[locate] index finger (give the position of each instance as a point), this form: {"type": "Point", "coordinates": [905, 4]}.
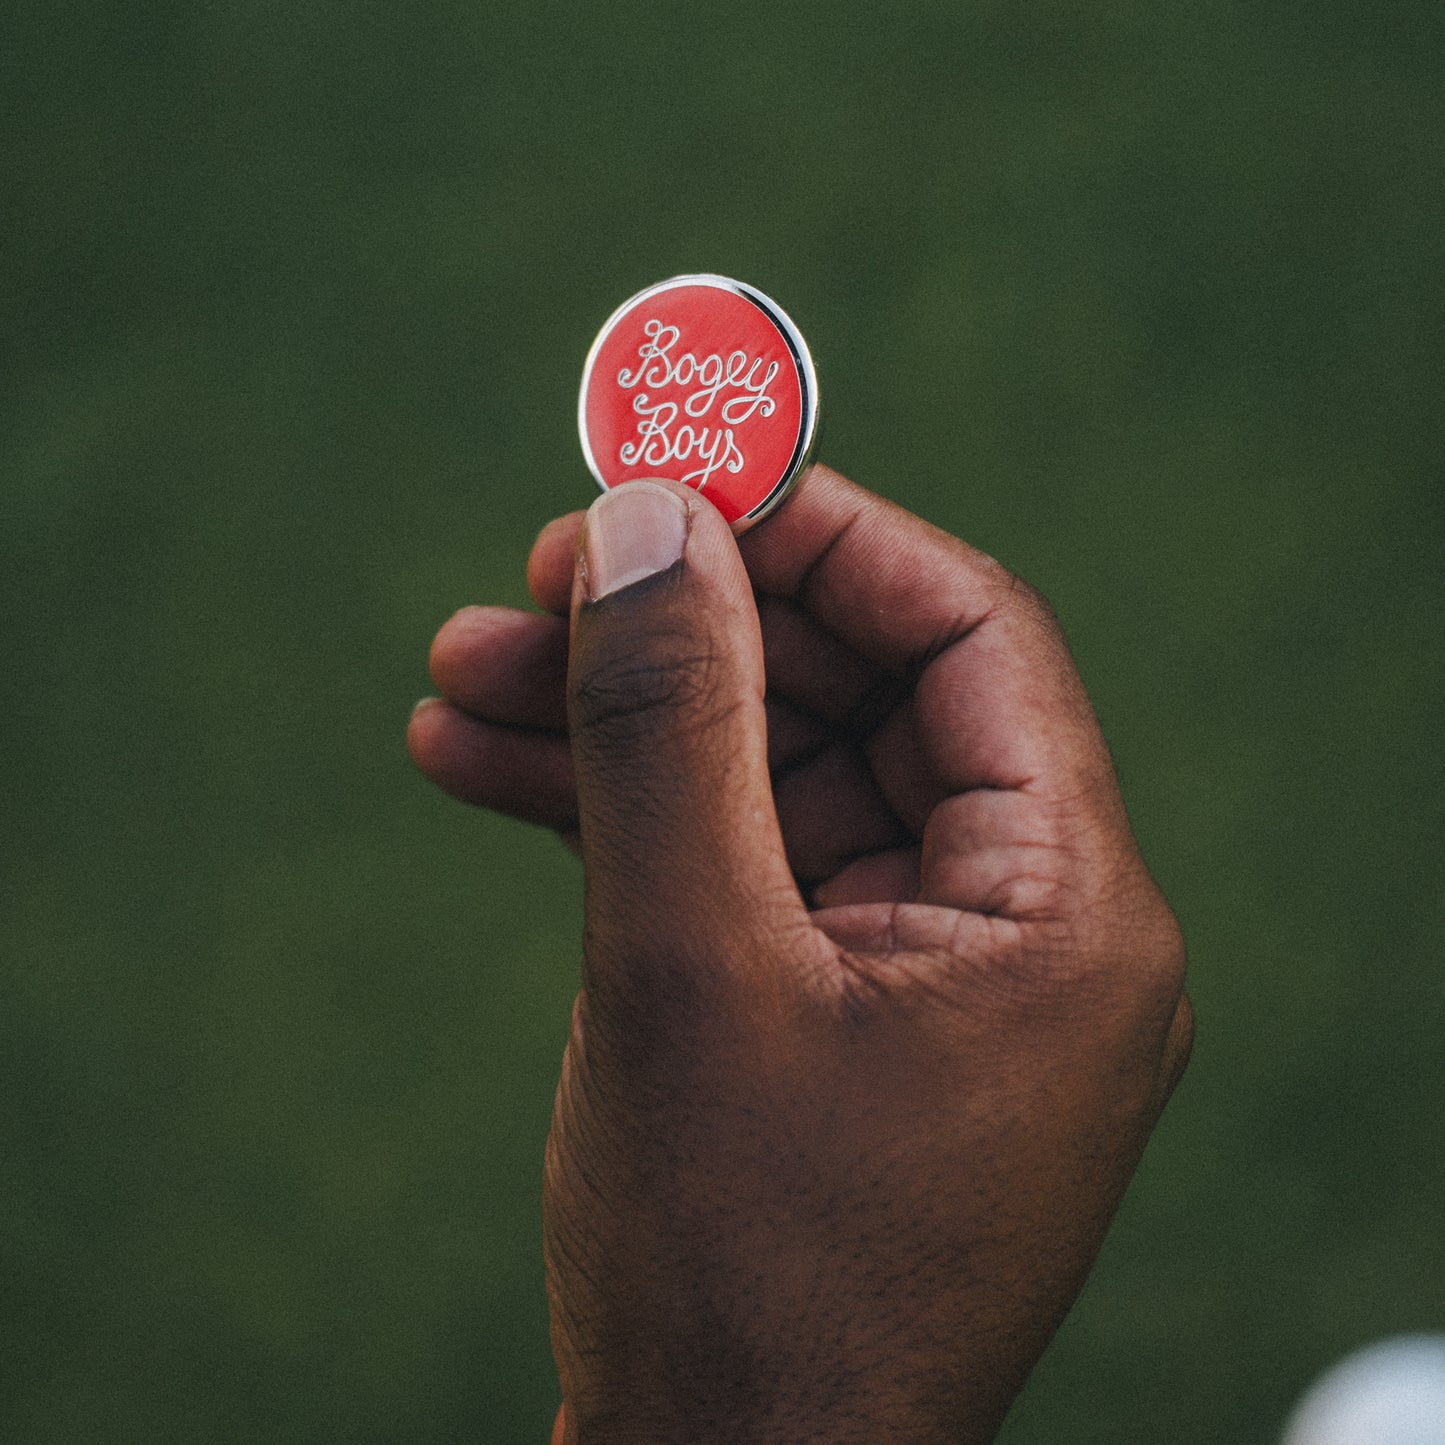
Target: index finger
{"type": "Point", "coordinates": [998, 698]}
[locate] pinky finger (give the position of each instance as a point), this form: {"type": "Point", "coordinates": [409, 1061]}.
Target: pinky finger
{"type": "Point", "coordinates": [526, 775]}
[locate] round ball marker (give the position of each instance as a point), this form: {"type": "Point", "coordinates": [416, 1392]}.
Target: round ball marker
{"type": "Point", "coordinates": [706, 381]}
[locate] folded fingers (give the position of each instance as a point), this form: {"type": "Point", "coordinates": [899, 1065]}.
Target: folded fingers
{"type": "Point", "coordinates": [832, 813]}
{"type": "Point", "coordinates": [524, 774]}
{"type": "Point", "coordinates": [504, 665]}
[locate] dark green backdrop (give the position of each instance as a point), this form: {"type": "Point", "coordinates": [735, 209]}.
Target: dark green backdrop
{"type": "Point", "coordinates": [293, 302]}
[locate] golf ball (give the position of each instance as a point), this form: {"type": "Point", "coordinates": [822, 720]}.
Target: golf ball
{"type": "Point", "coordinates": [1391, 1393]}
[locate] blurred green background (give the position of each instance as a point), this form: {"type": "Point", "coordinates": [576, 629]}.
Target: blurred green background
{"type": "Point", "coordinates": [1143, 298]}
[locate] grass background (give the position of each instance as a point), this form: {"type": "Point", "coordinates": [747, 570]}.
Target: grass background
{"type": "Point", "coordinates": [1142, 297]}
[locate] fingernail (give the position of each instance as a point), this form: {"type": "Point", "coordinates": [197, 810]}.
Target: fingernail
{"type": "Point", "coordinates": [633, 531]}
{"type": "Point", "coordinates": [425, 703]}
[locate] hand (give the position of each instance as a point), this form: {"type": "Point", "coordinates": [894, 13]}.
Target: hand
{"type": "Point", "coordinates": [879, 1002]}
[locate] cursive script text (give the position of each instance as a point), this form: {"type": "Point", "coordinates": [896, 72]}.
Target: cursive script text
{"type": "Point", "coordinates": [659, 440]}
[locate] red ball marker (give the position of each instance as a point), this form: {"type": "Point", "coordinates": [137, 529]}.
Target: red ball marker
{"type": "Point", "coordinates": [705, 381]}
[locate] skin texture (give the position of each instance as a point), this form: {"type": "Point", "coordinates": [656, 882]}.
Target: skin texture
{"type": "Point", "coordinates": [879, 1002]}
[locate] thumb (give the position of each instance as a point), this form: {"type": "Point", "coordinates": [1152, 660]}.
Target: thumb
{"type": "Point", "coordinates": [683, 858]}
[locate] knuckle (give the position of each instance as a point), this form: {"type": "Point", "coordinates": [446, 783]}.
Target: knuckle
{"type": "Point", "coordinates": [1030, 603]}
{"type": "Point", "coordinates": [619, 693]}
{"type": "Point", "coordinates": [1169, 951]}
{"type": "Point", "coordinates": [1178, 1045]}
{"type": "Point", "coordinates": [1017, 599]}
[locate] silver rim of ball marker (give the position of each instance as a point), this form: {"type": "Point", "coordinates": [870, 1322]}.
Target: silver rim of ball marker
{"type": "Point", "coordinates": [807, 440]}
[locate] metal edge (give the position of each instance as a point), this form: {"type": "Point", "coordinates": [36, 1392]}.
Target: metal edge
{"type": "Point", "coordinates": [808, 377]}
{"type": "Point", "coordinates": [802, 359]}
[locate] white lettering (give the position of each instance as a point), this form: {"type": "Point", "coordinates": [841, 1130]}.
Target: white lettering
{"type": "Point", "coordinates": [655, 444]}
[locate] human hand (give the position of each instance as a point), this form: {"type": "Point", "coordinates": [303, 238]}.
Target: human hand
{"type": "Point", "coordinates": [879, 1001]}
